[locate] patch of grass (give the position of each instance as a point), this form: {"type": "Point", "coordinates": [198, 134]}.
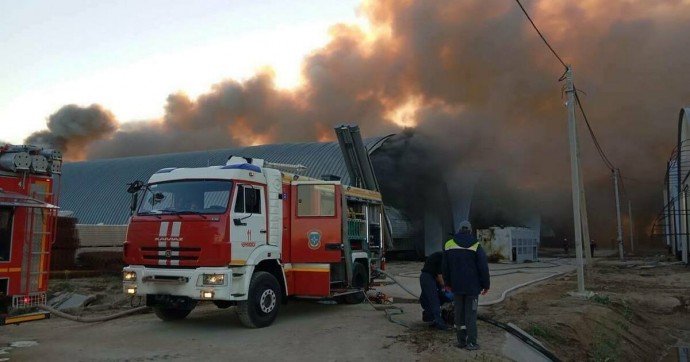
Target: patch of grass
{"type": "Point", "coordinates": [606, 347]}
{"type": "Point", "coordinates": [601, 299]}
{"type": "Point", "coordinates": [537, 330]}
{"type": "Point", "coordinates": [624, 326]}
{"type": "Point", "coordinates": [627, 311]}
{"type": "Point", "coordinates": [545, 333]}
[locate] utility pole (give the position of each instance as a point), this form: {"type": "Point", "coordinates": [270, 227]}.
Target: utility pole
{"type": "Point", "coordinates": [583, 207]}
{"type": "Point", "coordinates": [632, 235]}
{"type": "Point", "coordinates": [584, 220]}
{"type": "Point", "coordinates": [619, 237]}
{"type": "Point", "coordinates": [575, 177]}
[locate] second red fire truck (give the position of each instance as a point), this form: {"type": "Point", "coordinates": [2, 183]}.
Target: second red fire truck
{"type": "Point", "coordinates": [28, 217]}
{"type": "Point", "coordinates": [249, 234]}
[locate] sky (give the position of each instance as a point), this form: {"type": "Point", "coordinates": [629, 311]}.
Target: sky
{"type": "Point", "coordinates": [471, 80]}
{"type": "Point", "coordinates": [130, 55]}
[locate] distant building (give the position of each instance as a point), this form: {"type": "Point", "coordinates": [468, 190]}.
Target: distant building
{"type": "Point", "coordinates": [516, 244]}
{"type": "Point", "coordinates": [422, 207]}
{"type": "Point", "coordinates": [95, 191]}
{"type": "Point", "coordinates": [672, 226]}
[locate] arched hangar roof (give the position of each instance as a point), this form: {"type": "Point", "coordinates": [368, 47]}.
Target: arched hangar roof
{"type": "Point", "coordinates": [682, 165]}
{"type": "Point", "coordinates": [95, 191]}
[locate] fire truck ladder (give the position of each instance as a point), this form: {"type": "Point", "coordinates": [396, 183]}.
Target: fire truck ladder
{"type": "Point", "coordinates": [362, 175]}
{"type": "Point", "coordinates": [37, 232]}
{"type": "Point", "coordinates": [356, 158]}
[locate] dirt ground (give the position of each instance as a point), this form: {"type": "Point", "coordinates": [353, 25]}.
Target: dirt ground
{"type": "Point", "coordinates": [640, 311]}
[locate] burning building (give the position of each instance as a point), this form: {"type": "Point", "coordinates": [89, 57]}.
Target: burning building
{"type": "Point", "coordinates": [419, 208]}
{"type": "Point", "coordinates": [468, 89]}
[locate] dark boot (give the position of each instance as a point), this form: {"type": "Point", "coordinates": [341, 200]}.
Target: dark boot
{"type": "Point", "coordinates": [462, 337]}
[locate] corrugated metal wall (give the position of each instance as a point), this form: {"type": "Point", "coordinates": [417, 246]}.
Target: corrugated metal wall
{"type": "Point", "coordinates": [101, 235]}
{"type": "Point", "coordinates": [672, 224]}
{"type": "Point", "coordinates": [96, 190]}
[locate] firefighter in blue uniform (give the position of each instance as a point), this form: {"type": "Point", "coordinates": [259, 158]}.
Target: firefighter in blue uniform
{"type": "Point", "coordinates": [466, 273]}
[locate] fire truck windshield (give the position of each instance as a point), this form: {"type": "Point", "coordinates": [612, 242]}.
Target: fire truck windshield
{"type": "Point", "coordinates": [186, 197]}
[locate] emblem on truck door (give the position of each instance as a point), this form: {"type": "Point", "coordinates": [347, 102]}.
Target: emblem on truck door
{"type": "Point", "coordinates": [314, 239]}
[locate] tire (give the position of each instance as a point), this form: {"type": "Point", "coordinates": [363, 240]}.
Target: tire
{"type": "Point", "coordinates": [171, 314]}
{"type": "Point", "coordinates": [360, 280]}
{"type": "Point", "coordinates": [263, 301]}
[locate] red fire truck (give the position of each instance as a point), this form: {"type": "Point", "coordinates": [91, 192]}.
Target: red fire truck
{"type": "Point", "coordinates": [28, 218]}
{"type": "Point", "coordinates": [249, 234]}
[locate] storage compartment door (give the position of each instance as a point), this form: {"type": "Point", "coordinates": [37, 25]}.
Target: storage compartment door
{"type": "Point", "coordinates": [316, 226]}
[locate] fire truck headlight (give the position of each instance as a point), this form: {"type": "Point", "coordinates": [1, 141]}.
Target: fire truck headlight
{"type": "Point", "coordinates": [131, 290]}
{"type": "Point", "coordinates": [129, 276]}
{"type": "Point", "coordinates": [214, 279]}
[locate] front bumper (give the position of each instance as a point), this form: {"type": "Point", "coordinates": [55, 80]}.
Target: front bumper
{"type": "Point", "coordinates": [186, 283]}
{"type": "Point", "coordinates": [23, 318]}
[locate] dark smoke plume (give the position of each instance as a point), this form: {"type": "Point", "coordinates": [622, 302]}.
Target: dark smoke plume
{"type": "Point", "coordinates": [72, 128]}
{"type": "Point", "coordinates": [481, 90]}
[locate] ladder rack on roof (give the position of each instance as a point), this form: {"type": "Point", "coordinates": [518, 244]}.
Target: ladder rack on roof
{"type": "Point", "coordinates": [286, 167]}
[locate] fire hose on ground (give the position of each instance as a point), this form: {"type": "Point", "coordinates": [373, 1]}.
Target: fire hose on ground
{"type": "Point", "coordinates": [389, 310]}
{"type": "Point", "coordinates": [526, 339]}
{"type": "Point", "coordinates": [93, 319]}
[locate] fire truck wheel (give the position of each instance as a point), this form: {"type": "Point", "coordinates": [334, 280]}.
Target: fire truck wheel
{"type": "Point", "coordinates": [359, 280]}
{"type": "Point", "coordinates": [171, 314]}
{"type": "Point", "coordinates": [261, 307]}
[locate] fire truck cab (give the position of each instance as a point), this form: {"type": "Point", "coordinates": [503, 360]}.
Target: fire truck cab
{"type": "Point", "coordinates": [249, 234]}
{"type": "Point", "coordinates": [28, 217]}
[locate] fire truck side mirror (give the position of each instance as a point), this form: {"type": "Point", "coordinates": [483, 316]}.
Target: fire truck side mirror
{"type": "Point", "coordinates": [238, 222]}
{"type": "Point", "coordinates": [135, 186]}
{"type": "Point", "coordinates": [133, 189]}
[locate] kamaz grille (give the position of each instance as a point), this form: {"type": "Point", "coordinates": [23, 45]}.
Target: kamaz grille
{"type": "Point", "coordinates": [171, 257]}
{"type": "Point", "coordinates": [28, 301]}
{"type": "Point", "coordinates": [172, 253]}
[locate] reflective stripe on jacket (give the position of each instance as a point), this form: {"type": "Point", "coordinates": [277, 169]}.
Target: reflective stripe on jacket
{"type": "Point", "coordinates": [451, 244]}
{"type": "Point", "coordinates": [465, 265]}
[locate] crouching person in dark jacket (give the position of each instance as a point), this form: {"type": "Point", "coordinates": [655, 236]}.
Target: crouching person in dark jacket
{"type": "Point", "coordinates": [431, 282]}
{"type": "Point", "coordinates": [466, 272]}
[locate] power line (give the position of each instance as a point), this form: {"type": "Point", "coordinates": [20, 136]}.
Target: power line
{"type": "Point", "coordinates": [598, 147]}
{"type": "Point", "coordinates": [539, 32]}
{"type": "Point", "coordinates": [600, 150]}
{"type": "Point", "coordinates": [605, 159]}
{"type": "Point", "coordinates": [625, 193]}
